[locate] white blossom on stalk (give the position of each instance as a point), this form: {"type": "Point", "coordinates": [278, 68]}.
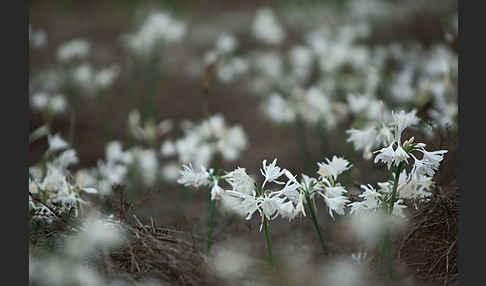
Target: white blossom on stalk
{"type": "Point", "coordinates": [56, 143]}
{"type": "Point", "coordinates": [216, 191]}
{"type": "Point", "coordinates": [333, 168]}
{"type": "Point", "coordinates": [429, 163]}
{"type": "Point", "coordinates": [157, 27]}
{"type": "Point", "coordinates": [390, 156]}
{"type": "Point", "coordinates": [266, 27]}
{"type": "Point", "coordinates": [239, 180]}
{"type": "Point", "coordinates": [271, 172]}
{"type": "Point", "coordinates": [74, 49]}
{"type": "Point", "coordinates": [363, 139]}
{"type": "Point", "coordinates": [402, 120]}
{"type": "Point", "coordinates": [190, 177]}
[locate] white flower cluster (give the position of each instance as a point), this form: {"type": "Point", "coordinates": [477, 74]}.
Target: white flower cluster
{"type": "Point", "coordinates": [201, 142]}
{"type": "Point", "coordinates": [51, 192]}
{"type": "Point", "coordinates": [266, 27]}
{"type": "Point", "coordinates": [245, 197]}
{"type": "Point", "coordinates": [47, 102]}
{"type": "Point", "coordinates": [332, 64]}
{"type": "Point", "coordinates": [74, 49]}
{"type": "Point", "coordinates": [415, 185]}
{"type": "Point", "coordinates": [157, 27]}
{"type": "Point", "coordinates": [90, 80]}
{"type": "Point", "coordinates": [312, 105]}
{"type": "Point", "coordinates": [67, 264]}
{"type": "Point", "coordinates": [228, 66]}
{"type": "Point", "coordinates": [118, 163]}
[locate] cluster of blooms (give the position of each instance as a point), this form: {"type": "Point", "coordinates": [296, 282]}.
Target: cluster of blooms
{"type": "Point", "coordinates": [414, 185]}
{"type": "Point", "coordinates": [90, 80]}
{"type": "Point", "coordinates": [67, 264]}
{"type": "Point", "coordinates": [48, 103]}
{"type": "Point", "coordinates": [266, 27]}
{"type": "Point", "coordinates": [52, 192]}
{"type": "Point", "coordinates": [245, 197]}
{"type": "Point", "coordinates": [73, 55]}
{"type": "Point", "coordinates": [158, 27]}
{"type": "Point", "coordinates": [73, 70]}
{"type": "Point", "coordinates": [332, 64]}
{"type": "Point", "coordinates": [119, 163]}
{"type": "Point", "coordinates": [202, 142]}
{"type": "Point", "coordinates": [75, 49]}
{"type": "Point", "coordinates": [228, 66]}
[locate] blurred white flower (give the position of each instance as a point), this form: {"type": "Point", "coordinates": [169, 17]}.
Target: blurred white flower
{"type": "Point", "coordinates": [158, 27]}
{"type": "Point", "coordinates": [333, 167]}
{"type": "Point", "coordinates": [190, 177]}
{"type": "Point", "coordinates": [74, 49]}
{"type": "Point", "coordinates": [266, 27]}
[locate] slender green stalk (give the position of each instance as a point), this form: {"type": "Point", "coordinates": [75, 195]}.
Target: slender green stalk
{"type": "Point", "coordinates": [269, 243]}
{"type": "Point", "coordinates": [386, 248]}
{"type": "Point", "coordinates": [395, 187]}
{"type": "Point", "coordinates": [210, 222]}
{"type": "Point", "coordinates": [316, 225]}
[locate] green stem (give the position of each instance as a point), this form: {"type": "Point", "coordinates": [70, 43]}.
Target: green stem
{"type": "Point", "coordinates": [269, 244]}
{"type": "Point", "coordinates": [395, 187]}
{"type": "Point", "coordinates": [210, 221]}
{"type": "Point", "coordinates": [386, 248]}
{"type": "Point", "coordinates": [316, 225]}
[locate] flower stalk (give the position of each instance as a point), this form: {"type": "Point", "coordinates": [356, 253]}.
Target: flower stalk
{"type": "Point", "coordinates": [269, 243]}
{"type": "Point", "coordinates": [210, 222]}
{"type": "Point", "coordinates": [316, 224]}
{"type": "Point", "coordinates": [386, 250]}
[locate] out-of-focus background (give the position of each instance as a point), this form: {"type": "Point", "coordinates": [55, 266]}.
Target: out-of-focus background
{"type": "Point", "coordinates": [293, 76]}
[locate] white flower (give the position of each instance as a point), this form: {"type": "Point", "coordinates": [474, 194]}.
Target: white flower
{"type": "Point", "coordinates": [360, 257]}
{"type": "Point", "coordinates": [216, 191]}
{"type": "Point", "coordinates": [299, 209]}
{"type": "Point", "coordinates": [114, 153]}
{"type": "Point", "coordinates": [66, 159]}
{"type": "Point", "coordinates": [334, 167]}
{"type": "Point", "coordinates": [77, 48]}
{"type": "Point", "coordinates": [190, 177]}
{"type": "Point", "coordinates": [270, 205]}
{"type": "Point", "coordinates": [398, 208]}
{"type": "Point", "coordinates": [106, 76]}
{"type": "Point", "coordinates": [226, 43]}
{"type": "Point", "coordinates": [402, 120]}
{"type": "Point", "coordinates": [336, 204]}
{"type": "Point", "coordinates": [56, 143]}
{"type": "Point", "coordinates": [266, 27]}
{"type": "Point", "coordinates": [170, 172]}
{"type": "Point", "coordinates": [429, 163]}
{"type": "Point", "coordinates": [240, 181]}
{"type": "Point", "coordinates": [148, 164]}
{"type": "Point", "coordinates": [248, 204]}
{"type": "Point", "coordinates": [287, 210]}
{"type": "Point", "coordinates": [39, 100]}
{"type": "Point", "coordinates": [271, 172]}
{"type": "Point", "coordinates": [159, 26]}
{"type": "Point", "coordinates": [168, 148]}
{"type": "Point", "coordinates": [39, 38]}
{"type": "Point", "coordinates": [390, 156]}
{"type": "Point", "coordinates": [363, 139]}
{"type": "Point", "coordinates": [57, 103]}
